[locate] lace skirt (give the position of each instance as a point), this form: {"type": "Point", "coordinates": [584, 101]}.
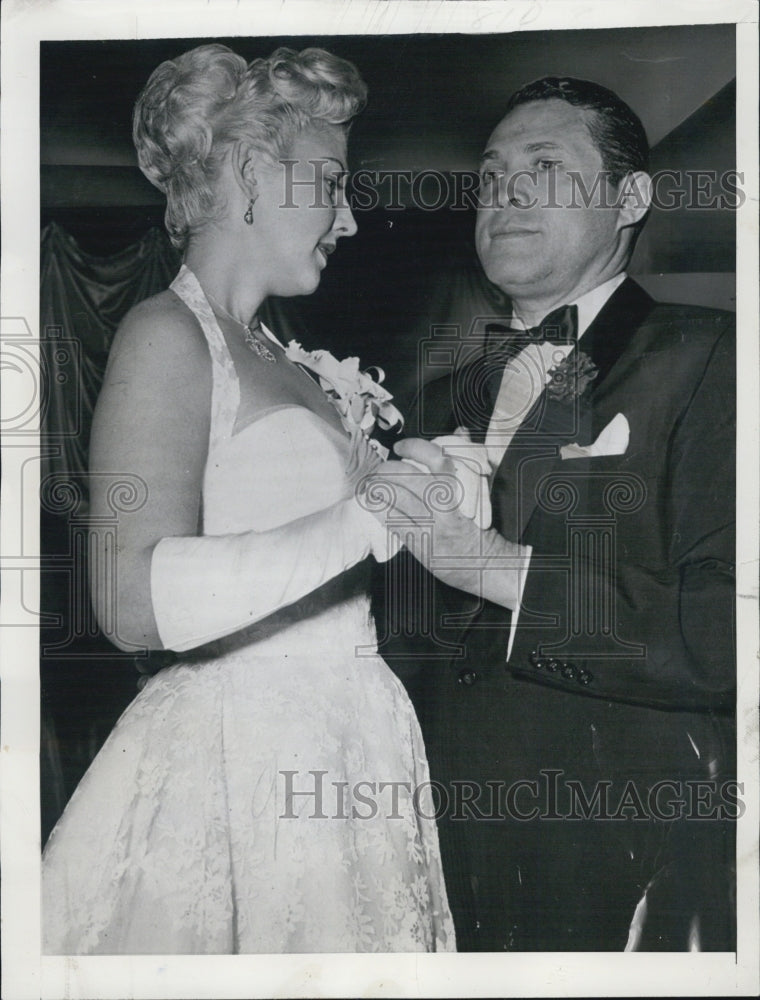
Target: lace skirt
{"type": "Point", "coordinates": [273, 797]}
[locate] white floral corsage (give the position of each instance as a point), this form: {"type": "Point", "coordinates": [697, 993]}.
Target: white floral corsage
{"type": "Point", "coordinates": [359, 398]}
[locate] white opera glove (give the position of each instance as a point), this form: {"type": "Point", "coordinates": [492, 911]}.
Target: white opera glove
{"type": "Point", "coordinates": [207, 587]}
{"type": "Point", "coordinates": [473, 470]}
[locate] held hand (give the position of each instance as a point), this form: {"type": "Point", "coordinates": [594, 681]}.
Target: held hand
{"type": "Point", "coordinates": [426, 453]}
{"type": "Point", "coordinates": [424, 510]}
{"type": "Point", "coordinates": [433, 453]}
{"type": "Point", "coordinates": [456, 453]}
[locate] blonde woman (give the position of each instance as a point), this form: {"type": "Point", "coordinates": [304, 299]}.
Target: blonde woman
{"type": "Point", "coordinates": [262, 794]}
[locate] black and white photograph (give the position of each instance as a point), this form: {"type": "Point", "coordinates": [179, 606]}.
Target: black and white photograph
{"type": "Point", "coordinates": [380, 499]}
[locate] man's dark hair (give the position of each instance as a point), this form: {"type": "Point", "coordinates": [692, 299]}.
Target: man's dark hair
{"type": "Point", "coordinates": [616, 130]}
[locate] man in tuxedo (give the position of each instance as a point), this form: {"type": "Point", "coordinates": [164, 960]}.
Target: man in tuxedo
{"type": "Point", "coordinates": [576, 683]}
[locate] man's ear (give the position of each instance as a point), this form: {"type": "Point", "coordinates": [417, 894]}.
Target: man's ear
{"type": "Point", "coordinates": [634, 198]}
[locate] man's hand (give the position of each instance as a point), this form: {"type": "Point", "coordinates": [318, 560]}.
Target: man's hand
{"type": "Point", "coordinates": [424, 510]}
{"type": "Point", "coordinates": [459, 454]}
{"type": "Point", "coordinates": [426, 453]}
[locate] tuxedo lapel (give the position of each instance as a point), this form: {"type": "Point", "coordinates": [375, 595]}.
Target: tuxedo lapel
{"type": "Point", "coordinates": [535, 448]}
{"type": "Point", "coordinates": [611, 332]}
{"type": "Point", "coordinates": [532, 454]}
{"type": "Point", "coordinates": [476, 386]}
{"type": "Point", "coordinates": [478, 383]}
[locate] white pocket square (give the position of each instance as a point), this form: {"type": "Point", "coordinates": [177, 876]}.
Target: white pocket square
{"type": "Point", "coordinates": [613, 440]}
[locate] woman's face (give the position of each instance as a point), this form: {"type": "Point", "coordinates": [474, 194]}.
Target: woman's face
{"type": "Point", "coordinates": [301, 211]}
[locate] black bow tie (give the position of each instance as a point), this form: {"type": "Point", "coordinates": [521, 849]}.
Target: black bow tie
{"type": "Point", "coordinates": [559, 327]}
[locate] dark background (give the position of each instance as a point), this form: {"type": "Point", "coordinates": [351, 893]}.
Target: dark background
{"type": "Point", "coordinates": [433, 101]}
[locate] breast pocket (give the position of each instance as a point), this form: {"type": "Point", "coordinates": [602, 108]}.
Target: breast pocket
{"type": "Point", "coordinates": [583, 487]}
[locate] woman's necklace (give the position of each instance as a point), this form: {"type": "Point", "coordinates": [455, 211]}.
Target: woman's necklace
{"type": "Point", "coordinates": [256, 345]}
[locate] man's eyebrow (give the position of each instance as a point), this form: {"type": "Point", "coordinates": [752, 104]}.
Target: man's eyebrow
{"type": "Point", "coordinates": [534, 147]}
{"type": "Point", "coordinates": [531, 147]}
{"type": "Point", "coordinates": [490, 154]}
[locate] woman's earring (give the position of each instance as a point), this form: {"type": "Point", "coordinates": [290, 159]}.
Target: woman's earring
{"type": "Point", "coordinates": [249, 214]}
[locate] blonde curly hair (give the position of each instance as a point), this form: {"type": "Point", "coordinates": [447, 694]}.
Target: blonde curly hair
{"type": "Point", "coordinates": [195, 107]}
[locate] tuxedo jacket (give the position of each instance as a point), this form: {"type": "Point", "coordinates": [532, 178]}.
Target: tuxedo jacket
{"type": "Point", "coordinates": [623, 663]}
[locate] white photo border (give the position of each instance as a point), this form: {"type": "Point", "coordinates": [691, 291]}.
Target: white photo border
{"type": "Point", "coordinates": [26, 973]}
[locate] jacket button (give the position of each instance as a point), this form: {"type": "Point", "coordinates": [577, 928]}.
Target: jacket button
{"type": "Point", "coordinates": [568, 671]}
{"type": "Point", "coordinates": [585, 677]}
{"type": "Point", "coordinates": [467, 677]}
{"type": "Point", "coordinates": [552, 666]}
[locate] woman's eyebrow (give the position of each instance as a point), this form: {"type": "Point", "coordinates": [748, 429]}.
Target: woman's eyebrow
{"type": "Point", "coordinates": [334, 159]}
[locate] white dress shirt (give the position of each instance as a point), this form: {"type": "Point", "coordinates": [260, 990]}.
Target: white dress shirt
{"type": "Point", "coordinates": [524, 380]}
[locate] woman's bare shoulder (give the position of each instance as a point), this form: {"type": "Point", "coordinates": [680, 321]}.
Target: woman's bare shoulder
{"type": "Point", "coordinates": [158, 383]}
{"type": "Point", "coordinates": [160, 330]}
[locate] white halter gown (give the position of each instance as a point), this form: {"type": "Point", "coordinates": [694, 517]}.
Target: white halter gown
{"type": "Point", "coordinates": [268, 793]}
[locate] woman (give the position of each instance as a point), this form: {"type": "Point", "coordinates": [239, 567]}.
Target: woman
{"type": "Point", "coordinates": [260, 795]}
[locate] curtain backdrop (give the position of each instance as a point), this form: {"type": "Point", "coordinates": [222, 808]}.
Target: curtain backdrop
{"type": "Point", "coordinates": [82, 301]}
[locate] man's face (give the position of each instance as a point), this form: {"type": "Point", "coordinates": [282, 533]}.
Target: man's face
{"type": "Point", "coordinates": [530, 247]}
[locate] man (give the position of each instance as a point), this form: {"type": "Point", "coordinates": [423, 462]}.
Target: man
{"type": "Point", "coordinates": [578, 710]}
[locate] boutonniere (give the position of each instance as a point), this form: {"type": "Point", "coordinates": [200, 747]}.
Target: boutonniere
{"type": "Point", "coordinates": [359, 398]}
{"type": "Point", "coordinates": [570, 378]}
